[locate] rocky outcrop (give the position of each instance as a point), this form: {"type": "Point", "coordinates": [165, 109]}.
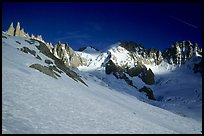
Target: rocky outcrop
{"type": "Point", "coordinates": [159, 57]}
{"type": "Point", "coordinates": [17, 31]}
{"type": "Point", "coordinates": [50, 46]}
{"type": "Point", "coordinates": [27, 50]}
{"type": "Point", "coordinates": [67, 55]}
{"type": "Point", "coordinates": [38, 37]}
{"type": "Point", "coordinates": [58, 62]}
{"type": "Point", "coordinates": [148, 91]}
{"type": "Point", "coordinates": [11, 30]}
{"type": "Point", "coordinates": [135, 71]}
{"type": "Point", "coordinates": [118, 72]}
{"type": "Point", "coordinates": [21, 33]}
{"type": "Point", "coordinates": [139, 54]}
{"type": "Point", "coordinates": [147, 76]}
{"type": "Point", "coordinates": [111, 67]}
{"type": "Point", "coordinates": [141, 71]}
{"type": "Point", "coordinates": [180, 52]}
{"type": "Point", "coordinates": [27, 35]}
{"type": "Point", "coordinates": [46, 70]}
{"type": "Point", "coordinates": [32, 36]}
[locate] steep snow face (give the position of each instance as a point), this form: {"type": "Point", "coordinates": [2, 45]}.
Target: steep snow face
{"type": "Point", "coordinates": [88, 55]}
{"type": "Point", "coordinates": [33, 102]}
{"type": "Point", "coordinates": [121, 57]}
{"type": "Point", "coordinates": [89, 61]}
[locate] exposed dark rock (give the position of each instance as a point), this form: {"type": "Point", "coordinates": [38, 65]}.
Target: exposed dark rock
{"type": "Point", "coordinates": [30, 42]}
{"type": "Point", "coordinates": [147, 76]}
{"type": "Point", "coordinates": [111, 67]}
{"type": "Point", "coordinates": [44, 69]}
{"type": "Point", "coordinates": [27, 50]}
{"type": "Point", "coordinates": [18, 42]}
{"type": "Point", "coordinates": [4, 37]}
{"type": "Point", "coordinates": [55, 69]}
{"type": "Point", "coordinates": [38, 57]}
{"type": "Point", "coordinates": [58, 62]}
{"type": "Point", "coordinates": [130, 46]}
{"type": "Point", "coordinates": [159, 57]}
{"type": "Point", "coordinates": [148, 91]}
{"type": "Point", "coordinates": [118, 72]}
{"type": "Point", "coordinates": [135, 71]}
{"type": "Point", "coordinates": [48, 61]}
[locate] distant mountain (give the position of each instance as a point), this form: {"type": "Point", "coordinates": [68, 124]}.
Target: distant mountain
{"type": "Point", "coordinates": [88, 49]}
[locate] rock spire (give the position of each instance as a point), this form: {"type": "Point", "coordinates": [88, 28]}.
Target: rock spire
{"type": "Point", "coordinates": [11, 30]}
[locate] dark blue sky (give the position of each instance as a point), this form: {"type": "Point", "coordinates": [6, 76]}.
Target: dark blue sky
{"type": "Point", "coordinates": [156, 25]}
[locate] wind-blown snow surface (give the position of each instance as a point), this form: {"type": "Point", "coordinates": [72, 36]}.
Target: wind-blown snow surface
{"type": "Point", "coordinates": [36, 103]}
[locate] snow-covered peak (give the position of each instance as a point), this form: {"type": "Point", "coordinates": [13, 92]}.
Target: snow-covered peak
{"type": "Point", "coordinates": [89, 49]}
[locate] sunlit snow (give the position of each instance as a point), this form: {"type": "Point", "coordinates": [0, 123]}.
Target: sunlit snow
{"type": "Point", "coordinates": [33, 102]}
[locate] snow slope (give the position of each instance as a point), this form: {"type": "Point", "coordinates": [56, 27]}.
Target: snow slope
{"type": "Point", "coordinates": [33, 102]}
{"type": "Point", "coordinates": [177, 89]}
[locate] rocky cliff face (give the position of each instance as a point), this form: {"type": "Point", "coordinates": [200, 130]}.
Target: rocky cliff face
{"type": "Point", "coordinates": [142, 55]}
{"type": "Point", "coordinates": [67, 54]}
{"type": "Point", "coordinates": [180, 52]}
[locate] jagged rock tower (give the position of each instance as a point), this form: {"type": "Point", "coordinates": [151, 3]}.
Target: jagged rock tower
{"type": "Point", "coordinates": [17, 32]}
{"type": "Point", "coordinates": [11, 30]}
{"type": "Point", "coordinates": [22, 33]}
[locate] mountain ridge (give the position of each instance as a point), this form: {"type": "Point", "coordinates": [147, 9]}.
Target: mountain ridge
{"type": "Point", "coordinates": [116, 85]}
{"type": "Point", "coordinates": [122, 58]}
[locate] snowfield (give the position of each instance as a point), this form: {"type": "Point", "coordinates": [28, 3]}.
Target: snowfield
{"type": "Point", "coordinates": [33, 102]}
